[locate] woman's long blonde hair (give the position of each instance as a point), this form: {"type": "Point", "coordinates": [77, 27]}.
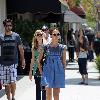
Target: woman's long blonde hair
{"type": "Point", "coordinates": [34, 40]}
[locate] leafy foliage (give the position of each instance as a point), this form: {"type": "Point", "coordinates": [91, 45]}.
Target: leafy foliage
{"type": "Point", "coordinates": [89, 8]}
{"type": "Point", "coordinates": [90, 12]}
{"type": "Point", "coordinates": [98, 63]}
{"type": "Point", "coordinates": [26, 28]}
{"type": "Point", "coordinates": [72, 3]}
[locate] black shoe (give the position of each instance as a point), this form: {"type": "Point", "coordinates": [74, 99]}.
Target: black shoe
{"type": "Point", "coordinates": [72, 60]}
{"type": "Point", "coordinates": [81, 83]}
{"type": "Point", "coordinates": [13, 98]}
{"type": "Point", "coordinates": [85, 83]}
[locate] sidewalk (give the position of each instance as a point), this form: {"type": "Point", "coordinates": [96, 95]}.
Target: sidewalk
{"type": "Point", "coordinates": [73, 91]}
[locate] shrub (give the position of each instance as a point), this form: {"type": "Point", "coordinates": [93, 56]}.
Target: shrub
{"type": "Point", "coordinates": [98, 63]}
{"type": "Point", "coordinates": [26, 28]}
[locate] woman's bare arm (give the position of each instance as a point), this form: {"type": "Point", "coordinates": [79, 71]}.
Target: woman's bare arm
{"type": "Point", "coordinates": [32, 60]}
{"type": "Point", "coordinates": [39, 60]}
{"type": "Point", "coordinates": [31, 65]}
{"type": "Point", "coordinates": [64, 58]}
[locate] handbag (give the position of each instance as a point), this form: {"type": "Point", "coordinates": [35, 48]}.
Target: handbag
{"type": "Point", "coordinates": [82, 54]}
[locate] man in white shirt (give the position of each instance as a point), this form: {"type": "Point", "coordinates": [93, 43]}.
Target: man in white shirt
{"type": "Point", "coordinates": [47, 38]}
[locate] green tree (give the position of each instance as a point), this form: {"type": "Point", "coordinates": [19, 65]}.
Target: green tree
{"type": "Point", "coordinates": [90, 11]}
{"type": "Point", "coordinates": [26, 28]}
{"type": "Point", "coordinates": [88, 6]}
{"type": "Point", "coordinates": [77, 2]}
{"type": "Point", "coordinates": [74, 3]}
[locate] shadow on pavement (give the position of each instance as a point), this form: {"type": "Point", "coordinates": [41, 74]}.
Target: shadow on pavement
{"type": "Point", "coordinates": [75, 68]}
{"type": "Point", "coordinates": [2, 93]}
{"type": "Point", "coordinates": [92, 72]}
{"type": "Point", "coordinates": [71, 63]}
{"type": "Point", "coordinates": [20, 77]}
{"type": "Point", "coordinates": [75, 81]}
{"type": "Point", "coordinates": [72, 66]}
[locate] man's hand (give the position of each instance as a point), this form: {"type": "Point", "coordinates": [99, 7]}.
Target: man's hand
{"type": "Point", "coordinates": [23, 64]}
{"type": "Point", "coordinates": [21, 50]}
{"type": "Point", "coordinates": [30, 75]}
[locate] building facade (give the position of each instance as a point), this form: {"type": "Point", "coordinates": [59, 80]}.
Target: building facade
{"type": "Point", "coordinates": [2, 13]}
{"type": "Point", "coordinates": [49, 11]}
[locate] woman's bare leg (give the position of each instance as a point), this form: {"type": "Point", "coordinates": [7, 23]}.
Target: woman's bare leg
{"type": "Point", "coordinates": [56, 92]}
{"type": "Point", "coordinates": [86, 78]}
{"type": "Point", "coordinates": [83, 78]}
{"type": "Point", "coordinates": [48, 93]}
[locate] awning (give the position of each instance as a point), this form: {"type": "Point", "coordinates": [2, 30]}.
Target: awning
{"type": "Point", "coordinates": [46, 10]}
{"type": "Point", "coordinates": [70, 16]}
{"type": "Point", "coordinates": [34, 6]}
{"type": "Point", "coordinates": [48, 17]}
{"type": "Point", "coordinates": [79, 11]}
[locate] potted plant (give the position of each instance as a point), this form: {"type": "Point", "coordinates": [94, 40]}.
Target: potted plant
{"type": "Point", "coordinates": [98, 64]}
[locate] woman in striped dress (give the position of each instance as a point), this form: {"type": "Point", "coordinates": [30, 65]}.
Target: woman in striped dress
{"type": "Point", "coordinates": [53, 74]}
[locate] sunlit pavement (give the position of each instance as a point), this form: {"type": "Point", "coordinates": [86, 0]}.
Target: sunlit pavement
{"type": "Point", "coordinates": [73, 91]}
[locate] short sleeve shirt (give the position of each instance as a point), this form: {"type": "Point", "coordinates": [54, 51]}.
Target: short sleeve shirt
{"type": "Point", "coordinates": [9, 48]}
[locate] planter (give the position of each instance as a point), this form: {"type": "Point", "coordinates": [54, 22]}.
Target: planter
{"type": "Point", "coordinates": [98, 64]}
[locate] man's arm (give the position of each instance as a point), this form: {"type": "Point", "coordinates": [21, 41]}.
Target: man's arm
{"type": "Point", "coordinates": [21, 52]}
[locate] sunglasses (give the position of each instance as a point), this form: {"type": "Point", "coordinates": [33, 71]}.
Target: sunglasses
{"type": "Point", "coordinates": [39, 34]}
{"type": "Point", "coordinates": [56, 34]}
{"type": "Point", "coordinates": [8, 25]}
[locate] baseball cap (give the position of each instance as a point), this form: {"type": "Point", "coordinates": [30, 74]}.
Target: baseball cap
{"type": "Point", "coordinates": [44, 28]}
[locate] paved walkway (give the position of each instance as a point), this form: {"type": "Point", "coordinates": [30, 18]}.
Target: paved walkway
{"type": "Point", "coordinates": [73, 91]}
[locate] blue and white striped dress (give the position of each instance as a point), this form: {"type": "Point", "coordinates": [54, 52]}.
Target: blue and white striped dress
{"type": "Point", "coordinates": [53, 75]}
